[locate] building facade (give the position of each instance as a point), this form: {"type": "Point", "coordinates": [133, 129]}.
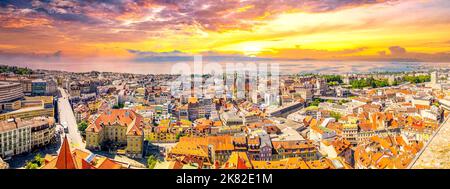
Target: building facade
{"type": "Point", "coordinates": [19, 136]}
{"type": "Point", "coordinates": [38, 87]}
{"type": "Point", "coordinates": [122, 127]}
{"type": "Point", "coordinates": [29, 107]}
{"type": "Point", "coordinates": [10, 91]}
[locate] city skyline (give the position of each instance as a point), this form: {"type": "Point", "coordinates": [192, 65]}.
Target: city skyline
{"type": "Point", "coordinates": [314, 121]}
{"type": "Point", "coordinates": [154, 31]}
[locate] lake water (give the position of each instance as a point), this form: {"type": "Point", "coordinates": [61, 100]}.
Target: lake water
{"type": "Point", "coordinates": [288, 67]}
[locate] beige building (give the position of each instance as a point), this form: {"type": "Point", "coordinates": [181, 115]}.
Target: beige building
{"type": "Point", "coordinates": [123, 127]}
{"type": "Point", "coordinates": [350, 131]}
{"type": "Point", "coordinates": [18, 136]}
{"type": "Point", "coordinates": [25, 82]}
{"type": "Point", "coordinates": [10, 91]}
{"type": "Point", "coordinates": [29, 107]}
{"type": "Point", "coordinates": [305, 93]}
{"type": "Point", "coordinates": [10, 96]}
{"type": "Point", "coordinates": [74, 89]}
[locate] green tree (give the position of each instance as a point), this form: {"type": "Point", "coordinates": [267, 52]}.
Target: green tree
{"type": "Point", "coordinates": [359, 83]}
{"type": "Point", "coordinates": [374, 83]}
{"type": "Point", "coordinates": [336, 79]}
{"type": "Point", "coordinates": [333, 83]}
{"type": "Point", "coordinates": [119, 106]}
{"type": "Point", "coordinates": [15, 70]}
{"type": "Point", "coordinates": [82, 126]}
{"type": "Point", "coordinates": [336, 115]}
{"type": "Point", "coordinates": [179, 135]}
{"type": "Point", "coordinates": [417, 79]}
{"type": "Point", "coordinates": [395, 83]}
{"type": "Point", "coordinates": [37, 162]}
{"type": "Point", "coordinates": [151, 162]}
{"type": "Point", "coordinates": [343, 101]}
{"type": "Point", "coordinates": [316, 102]}
{"type": "Point", "coordinates": [31, 165]}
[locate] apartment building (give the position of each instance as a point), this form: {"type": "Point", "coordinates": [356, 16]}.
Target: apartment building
{"type": "Point", "coordinates": [124, 127]}
{"type": "Point", "coordinates": [19, 136]}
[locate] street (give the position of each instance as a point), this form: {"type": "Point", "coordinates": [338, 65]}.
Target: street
{"type": "Point", "coordinates": [66, 115]}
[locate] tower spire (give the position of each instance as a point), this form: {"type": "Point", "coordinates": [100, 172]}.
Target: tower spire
{"type": "Point", "coordinates": [65, 159]}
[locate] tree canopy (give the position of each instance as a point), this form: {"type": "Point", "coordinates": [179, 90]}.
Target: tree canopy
{"type": "Point", "coordinates": [82, 126]}
{"type": "Point", "coordinates": [417, 79]}
{"type": "Point", "coordinates": [316, 102]}
{"type": "Point", "coordinates": [336, 115]}
{"type": "Point", "coordinates": [151, 162]}
{"type": "Point", "coordinates": [369, 82]}
{"type": "Point", "coordinates": [119, 106]}
{"type": "Point", "coordinates": [37, 162]}
{"type": "Point", "coordinates": [15, 70]}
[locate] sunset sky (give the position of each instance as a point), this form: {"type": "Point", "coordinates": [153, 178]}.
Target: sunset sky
{"type": "Point", "coordinates": [408, 30]}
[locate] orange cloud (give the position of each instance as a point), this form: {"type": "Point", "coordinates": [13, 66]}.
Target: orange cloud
{"type": "Point", "coordinates": [281, 29]}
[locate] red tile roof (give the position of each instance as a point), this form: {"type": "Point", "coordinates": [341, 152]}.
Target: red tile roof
{"type": "Point", "coordinates": [125, 118]}
{"type": "Point", "coordinates": [65, 159]}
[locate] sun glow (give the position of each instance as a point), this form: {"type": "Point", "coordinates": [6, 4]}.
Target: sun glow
{"type": "Point", "coordinates": [251, 50]}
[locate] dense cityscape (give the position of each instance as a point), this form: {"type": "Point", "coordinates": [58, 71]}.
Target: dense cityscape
{"type": "Point", "coordinates": [103, 120]}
